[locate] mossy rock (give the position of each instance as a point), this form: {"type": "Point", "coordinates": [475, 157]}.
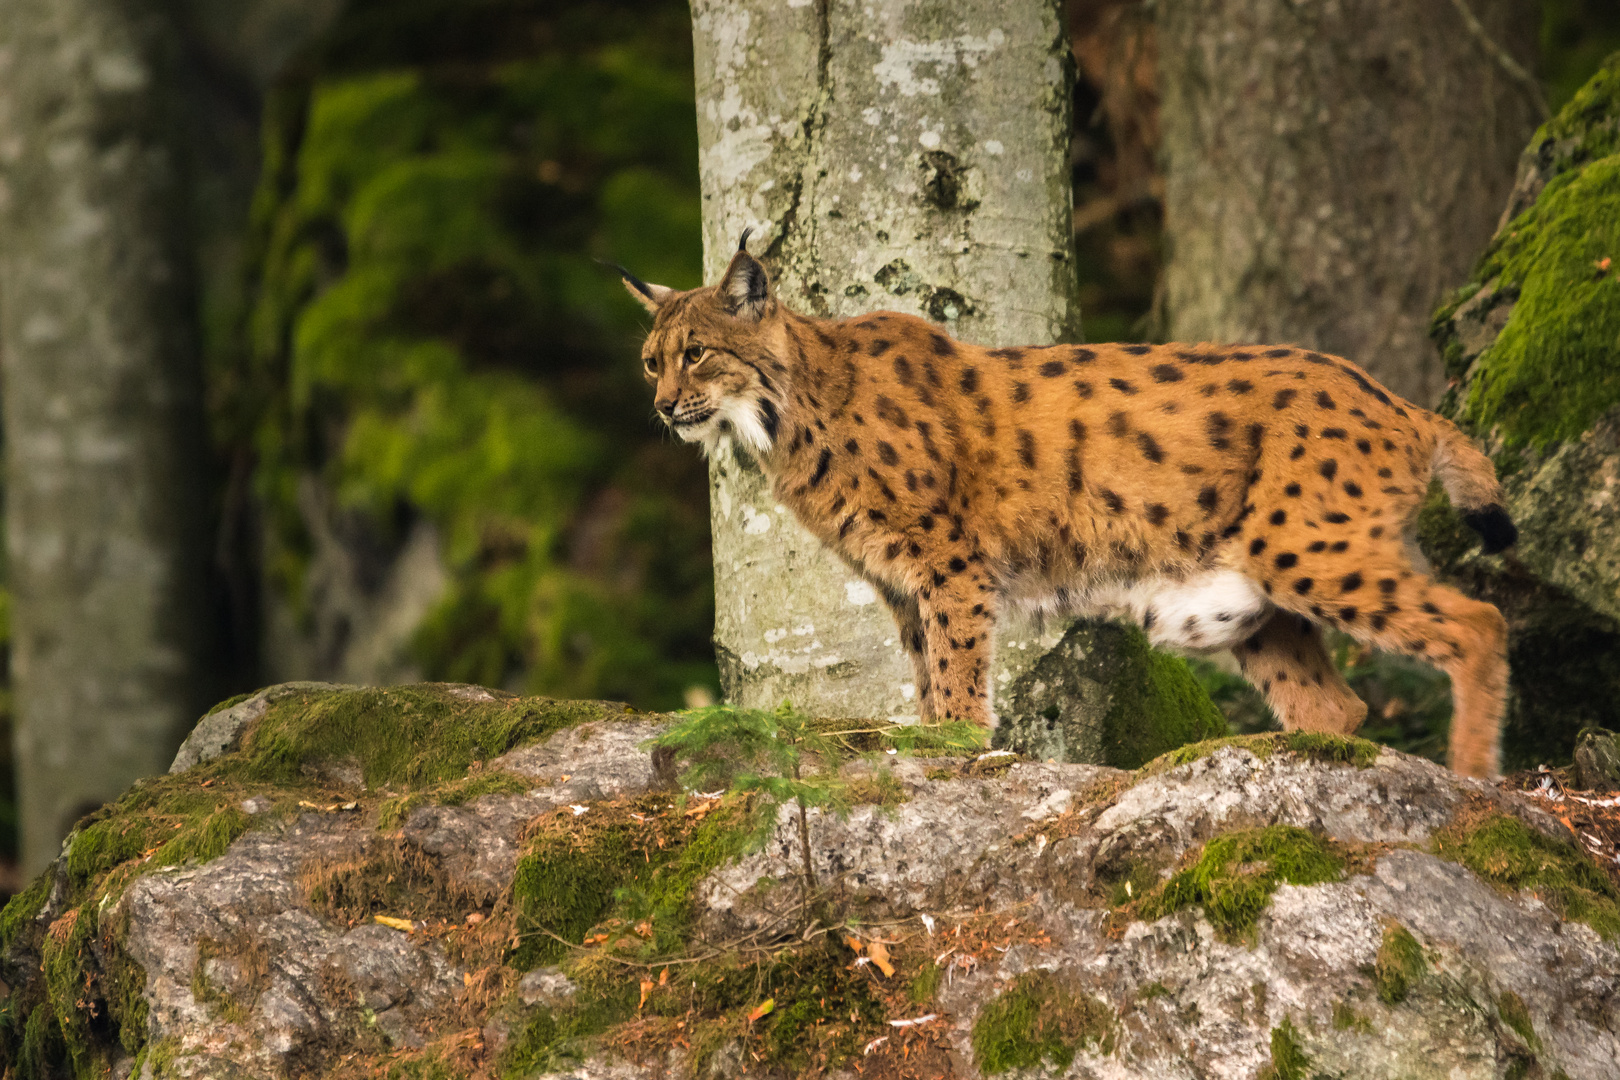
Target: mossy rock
{"type": "Point", "coordinates": [1530, 343]}
{"type": "Point", "coordinates": [309, 746]}
{"type": "Point", "coordinates": [1104, 696]}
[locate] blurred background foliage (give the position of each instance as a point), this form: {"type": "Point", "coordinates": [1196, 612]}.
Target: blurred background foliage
{"type": "Point", "coordinates": [409, 335]}
{"type": "Point", "coordinates": [426, 334]}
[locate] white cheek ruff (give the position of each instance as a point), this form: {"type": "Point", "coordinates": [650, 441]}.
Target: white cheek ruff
{"type": "Point", "coordinates": [746, 427]}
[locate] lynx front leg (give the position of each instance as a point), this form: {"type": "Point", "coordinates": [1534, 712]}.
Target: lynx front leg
{"type": "Point", "coordinates": [956, 623]}
{"type": "Point", "coordinates": [908, 619]}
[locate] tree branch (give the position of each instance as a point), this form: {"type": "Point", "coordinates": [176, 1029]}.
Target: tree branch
{"type": "Point", "coordinates": [1515, 70]}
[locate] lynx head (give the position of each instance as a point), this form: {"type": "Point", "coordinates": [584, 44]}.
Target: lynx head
{"type": "Point", "coordinates": [714, 354]}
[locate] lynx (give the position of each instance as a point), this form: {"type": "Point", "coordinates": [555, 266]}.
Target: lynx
{"type": "Point", "coordinates": [1239, 497]}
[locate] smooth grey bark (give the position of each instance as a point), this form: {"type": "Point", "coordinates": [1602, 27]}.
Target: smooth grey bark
{"type": "Point", "coordinates": [899, 154]}
{"type": "Point", "coordinates": [1333, 168]}
{"type": "Point", "coordinates": [105, 502]}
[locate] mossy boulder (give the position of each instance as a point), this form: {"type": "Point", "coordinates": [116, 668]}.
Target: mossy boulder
{"type": "Point", "coordinates": [1102, 695]}
{"type": "Point", "coordinates": [444, 881]}
{"type": "Point", "coordinates": [1531, 344]}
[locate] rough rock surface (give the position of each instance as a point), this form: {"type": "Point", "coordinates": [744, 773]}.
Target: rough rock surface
{"type": "Point", "coordinates": [260, 962]}
{"type": "Point", "coordinates": [1529, 346]}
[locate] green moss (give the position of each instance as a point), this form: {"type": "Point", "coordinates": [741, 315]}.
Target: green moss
{"type": "Point", "coordinates": [1157, 706]}
{"type": "Point", "coordinates": [412, 735]}
{"type": "Point", "coordinates": [926, 984]}
{"type": "Point", "coordinates": [1588, 126]}
{"type": "Point", "coordinates": [1235, 875]}
{"type": "Point", "coordinates": [1154, 989]}
{"type": "Point", "coordinates": [228, 703]}
{"type": "Point", "coordinates": [394, 812]}
{"type": "Point", "coordinates": [21, 910]}
{"type": "Point", "coordinates": [1399, 964]}
{"type": "Point", "coordinates": [568, 880]}
{"type": "Point", "coordinates": [1317, 746]}
{"type": "Point", "coordinates": [1550, 373]}
{"type": "Point", "coordinates": [1511, 1008]}
{"type": "Point", "coordinates": [1038, 1019]}
{"type": "Point", "coordinates": [1345, 1018]}
{"type": "Point", "coordinates": [1509, 854]}
{"type": "Point", "coordinates": [64, 964]}
{"type": "Point", "coordinates": [1288, 1058]}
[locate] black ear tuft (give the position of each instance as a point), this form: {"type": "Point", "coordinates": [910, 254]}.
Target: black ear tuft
{"type": "Point", "coordinates": [746, 287]}
{"type": "Point", "coordinates": [651, 297]}
{"type": "Point", "coordinates": [742, 245]}
{"type": "Point", "coordinates": [1495, 528]}
{"type": "Point", "coordinates": [629, 279]}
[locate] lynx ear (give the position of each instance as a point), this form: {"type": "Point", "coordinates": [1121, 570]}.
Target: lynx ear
{"type": "Point", "coordinates": [651, 297]}
{"type": "Point", "coordinates": [746, 287]}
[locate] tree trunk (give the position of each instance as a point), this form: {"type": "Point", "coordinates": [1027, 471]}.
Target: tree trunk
{"type": "Point", "coordinates": [102, 396]}
{"type": "Point", "coordinates": [901, 154]}
{"type": "Point", "coordinates": [1333, 168]}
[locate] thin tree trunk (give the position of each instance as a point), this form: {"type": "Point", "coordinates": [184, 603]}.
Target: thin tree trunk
{"type": "Point", "coordinates": [899, 154]}
{"type": "Point", "coordinates": [105, 506]}
{"type": "Point", "coordinates": [1333, 168]}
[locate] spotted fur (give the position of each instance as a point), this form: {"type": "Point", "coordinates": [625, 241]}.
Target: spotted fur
{"type": "Point", "coordinates": [1236, 497]}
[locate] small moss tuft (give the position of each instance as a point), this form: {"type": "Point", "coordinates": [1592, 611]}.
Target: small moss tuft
{"type": "Point", "coordinates": [1516, 1015]}
{"type": "Point", "coordinates": [1316, 745]}
{"type": "Point", "coordinates": [1400, 964]}
{"type": "Point", "coordinates": [1509, 854]}
{"type": "Point", "coordinates": [1037, 1019]}
{"type": "Point", "coordinates": [1345, 1018]}
{"type": "Point", "coordinates": [1288, 1058]}
{"type": "Point", "coordinates": [1235, 875]}
{"type": "Point", "coordinates": [926, 984]}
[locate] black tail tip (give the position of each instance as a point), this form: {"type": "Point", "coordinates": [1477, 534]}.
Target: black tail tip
{"type": "Point", "coordinates": [1494, 527]}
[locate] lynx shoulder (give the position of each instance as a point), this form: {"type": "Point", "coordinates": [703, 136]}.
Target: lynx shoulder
{"type": "Point", "coordinates": [1239, 497]}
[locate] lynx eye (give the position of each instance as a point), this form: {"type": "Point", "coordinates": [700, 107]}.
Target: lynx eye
{"type": "Point", "coordinates": [693, 354]}
{"type": "Point", "coordinates": [651, 364]}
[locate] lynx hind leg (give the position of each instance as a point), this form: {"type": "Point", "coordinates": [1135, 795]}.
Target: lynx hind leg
{"type": "Point", "coordinates": [1288, 662]}
{"type": "Point", "coordinates": [1380, 599]}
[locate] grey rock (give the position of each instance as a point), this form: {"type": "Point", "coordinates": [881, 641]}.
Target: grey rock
{"type": "Point", "coordinates": [546, 986]}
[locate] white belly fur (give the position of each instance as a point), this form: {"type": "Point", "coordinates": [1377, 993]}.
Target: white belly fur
{"type": "Point", "coordinates": [1208, 611]}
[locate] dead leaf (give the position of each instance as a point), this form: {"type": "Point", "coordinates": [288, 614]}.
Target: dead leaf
{"type": "Point", "coordinates": [474, 918]}
{"type": "Point", "coordinates": [879, 953]}
{"type": "Point", "coordinates": [646, 988]}
{"type": "Point", "coordinates": [762, 1009]}
{"type": "Point", "coordinates": [466, 979]}
{"type": "Point", "coordinates": [644, 929]}
{"type": "Point", "coordinates": [596, 939]}
{"type": "Point", "coordinates": [1603, 264]}
{"type": "Point", "coordinates": [856, 944]}
{"type": "Point", "coordinates": [398, 924]}
{"type": "Point", "coordinates": [663, 977]}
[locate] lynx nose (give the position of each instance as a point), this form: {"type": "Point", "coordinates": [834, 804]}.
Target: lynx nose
{"type": "Point", "coordinates": [666, 406]}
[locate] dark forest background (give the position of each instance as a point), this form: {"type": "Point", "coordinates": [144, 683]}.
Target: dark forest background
{"type": "Point", "coordinates": [432, 454]}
